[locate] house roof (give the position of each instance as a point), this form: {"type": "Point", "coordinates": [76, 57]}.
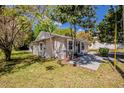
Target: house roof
{"type": "Point", "coordinates": [46, 35]}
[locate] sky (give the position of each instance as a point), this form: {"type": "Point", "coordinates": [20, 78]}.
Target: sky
{"type": "Point", "coordinates": [100, 13]}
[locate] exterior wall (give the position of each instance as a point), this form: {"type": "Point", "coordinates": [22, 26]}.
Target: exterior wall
{"type": "Point", "coordinates": [35, 50]}
{"type": "Point", "coordinates": [30, 48]}
{"type": "Point", "coordinates": [59, 50]}
{"type": "Point", "coordinates": [120, 46]}
{"type": "Point", "coordinates": [85, 46]}
{"type": "Point", "coordinates": [48, 48]}
{"type": "Point", "coordinates": [60, 47]}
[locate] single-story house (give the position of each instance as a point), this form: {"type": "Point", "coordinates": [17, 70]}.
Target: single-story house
{"type": "Point", "coordinates": [58, 46]}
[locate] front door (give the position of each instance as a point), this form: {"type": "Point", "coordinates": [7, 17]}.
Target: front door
{"type": "Point", "coordinates": [78, 47]}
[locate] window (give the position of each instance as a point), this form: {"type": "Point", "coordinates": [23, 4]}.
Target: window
{"type": "Point", "coordinates": [70, 44]}
{"type": "Point", "coordinates": [82, 46]}
{"type": "Point", "coordinates": [41, 46]}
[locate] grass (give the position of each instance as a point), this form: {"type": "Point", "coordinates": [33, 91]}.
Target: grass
{"type": "Point", "coordinates": [118, 50]}
{"type": "Point", "coordinates": [26, 70]}
{"type": "Point", "coordinates": [111, 50]}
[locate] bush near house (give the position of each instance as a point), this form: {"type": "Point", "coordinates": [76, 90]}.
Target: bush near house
{"type": "Point", "coordinates": [103, 52]}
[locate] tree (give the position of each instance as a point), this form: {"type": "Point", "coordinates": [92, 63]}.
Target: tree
{"type": "Point", "coordinates": [11, 24]}
{"type": "Point", "coordinates": [36, 14]}
{"type": "Point", "coordinates": [37, 30]}
{"type": "Point", "coordinates": [107, 26]}
{"type": "Point", "coordinates": [24, 37]}
{"type": "Point", "coordinates": [65, 32]}
{"type": "Point", "coordinates": [46, 25]}
{"type": "Point", "coordinates": [1, 8]}
{"type": "Point", "coordinates": [76, 15]}
{"type": "Point", "coordinates": [85, 36]}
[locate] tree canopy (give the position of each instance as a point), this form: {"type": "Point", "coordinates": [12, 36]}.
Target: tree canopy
{"type": "Point", "coordinates": [107, 26]}
{"type": "Point", "coordinates": [64, 31]}
{"type": "Point", "coordinates": [85, 36]}
{"type": "Point", "coordinates": [12, 23]}
{"type": "Point", "coordinates": [76, 15]}
{"type": "Point", "coordinates": [46, 25]}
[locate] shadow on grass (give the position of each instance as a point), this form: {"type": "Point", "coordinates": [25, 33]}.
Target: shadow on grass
{"type": "Point", "coordinates": [118, 69]}
{"type": "Point", "coordinates": [11, 66]}
{"type": "Point", "coordinates": [50, 68]}
{"type": "Point", "coordinates": [118, 54]}
{"type": "Point", "coordinates": [120, 57]}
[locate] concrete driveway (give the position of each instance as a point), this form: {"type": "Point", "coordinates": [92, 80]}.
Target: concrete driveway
{"type": "Point", "coordinates": [92, 60]}
{"type": "Point", "coordinates": [89, 61]}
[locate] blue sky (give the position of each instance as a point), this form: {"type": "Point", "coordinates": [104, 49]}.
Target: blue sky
{"type": "Point", "coordinates": [100, 13]}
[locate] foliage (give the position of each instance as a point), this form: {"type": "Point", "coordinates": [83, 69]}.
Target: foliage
{"type": "Point", "coordinates": [103, 51]}
{"type": "Point", "coordinates": [23, 18]}
{"type": "Point", "coordinates": [65, 32]}
{"type": "Point", "coordinates": [24, 37]}
{"type": "Point", "coordinates": [46, 25]}
{"type": "Point", "coordinates": [36, 14]}
{"type": "Point", "coordinates": [1, 8]}
{"type": "Point", "coordinates": [107, 26]}
{"type": "Point", "coordinates": [75, 15]}
{"type": "Point", "coordinates": [37, 30]}
{"type": "Point", "coordinates": [85, 36]}
{"type": "Point", "coordinates": [12, 23]}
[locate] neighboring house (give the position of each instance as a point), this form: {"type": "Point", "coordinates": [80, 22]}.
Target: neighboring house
{"type": "Point", "coordinates": [98, 45]}
{"type": "Point", "coordinates": [52, 45]}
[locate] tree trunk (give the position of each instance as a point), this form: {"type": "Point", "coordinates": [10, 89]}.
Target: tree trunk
{"type": "Point", "coordinates": [74, 38]}
{"type": "Point", "coordinates": [51, 41]}
{"type": "Point", "coordinates": [7, 54]}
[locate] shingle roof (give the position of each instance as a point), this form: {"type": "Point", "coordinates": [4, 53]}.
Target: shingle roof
{"type": "Point", "coordinates": [46, 35]}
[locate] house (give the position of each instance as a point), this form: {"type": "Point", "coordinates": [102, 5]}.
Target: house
{"type": "Point", "coordinates": [97, 44]}
{"type": "Point", "coordinates": [58, 46]}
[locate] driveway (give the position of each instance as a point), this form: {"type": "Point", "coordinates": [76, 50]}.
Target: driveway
{"type": "Point", "coordinates": [120, 57]}
{"type": "Point", "coordinates": [92, 60]}
{"type": "Point", "coordinates": [89, 61]}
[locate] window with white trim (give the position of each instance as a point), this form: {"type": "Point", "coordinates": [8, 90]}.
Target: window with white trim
{"type": "Point", "coordinates": [41, 46]}
{"type": "Point", "coordinates": [70, 45]}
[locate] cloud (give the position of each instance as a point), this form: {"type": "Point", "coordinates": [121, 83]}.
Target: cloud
{"type": "Point", "coordinates": [80, 29]}
{"type": "Point", "coordinates": [58, 23]}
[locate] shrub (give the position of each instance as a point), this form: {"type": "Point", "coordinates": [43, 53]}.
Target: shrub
{"type": "Point", "coordinates": [103, 52]}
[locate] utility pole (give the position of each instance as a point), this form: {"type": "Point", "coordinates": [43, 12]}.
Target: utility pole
{"type": "Point", "coordinates": [115, 37]}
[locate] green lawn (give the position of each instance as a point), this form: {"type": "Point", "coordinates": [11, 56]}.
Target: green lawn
{"type": "Point", "coordinates": [111, 50]}
{"type": "Point", "coordinates": [26, 70]}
